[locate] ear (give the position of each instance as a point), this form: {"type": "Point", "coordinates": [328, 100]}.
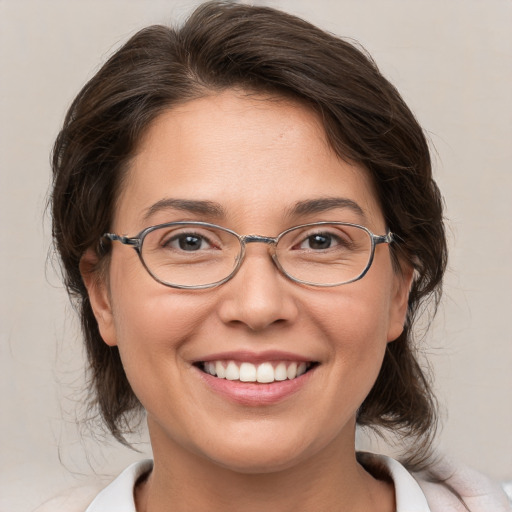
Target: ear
{"type": "Point", "coordinates": [99, 297]}
{"type": "Point", "coordinates": [400, 301]}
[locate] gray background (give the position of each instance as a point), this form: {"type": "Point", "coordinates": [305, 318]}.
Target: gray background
{"type": "Point", "coordinates": [452, 61]}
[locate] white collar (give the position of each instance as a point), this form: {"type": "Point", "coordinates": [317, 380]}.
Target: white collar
{"type": "Point", "coordinates": [408, 494]}
{"type": "Point", "coordinates": [118, 496]}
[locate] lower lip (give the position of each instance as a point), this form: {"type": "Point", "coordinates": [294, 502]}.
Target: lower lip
{"type": "Point", "coordinates": [255, 394]}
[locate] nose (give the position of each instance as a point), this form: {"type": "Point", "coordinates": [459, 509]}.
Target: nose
{"type": "Point", "coordinates": [258, 296]}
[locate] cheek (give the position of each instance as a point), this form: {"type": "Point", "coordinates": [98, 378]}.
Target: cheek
{"type": "Point", "coordinates": [146, 312]}
{"type": "Point", "coordinates": [152, 324]}
{"type": "Point", "coordinates": [354, 323]}
{"type": "Point", "coordinates": [156, 322]}
{"type": "Point", "coordinates": [154, 333]}
{"type": "Point", "coordinates": [354, 317]}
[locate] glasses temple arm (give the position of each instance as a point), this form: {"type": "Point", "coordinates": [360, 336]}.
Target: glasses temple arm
{"type": "Point", "coordinates": [123, 239]}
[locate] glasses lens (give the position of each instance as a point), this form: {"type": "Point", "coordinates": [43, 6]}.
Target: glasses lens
{"type": "Point", "coordinates": [325, 254]}
{"type": "Point", "coordinates": [190, 254]}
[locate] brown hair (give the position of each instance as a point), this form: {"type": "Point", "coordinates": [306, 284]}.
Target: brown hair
{"type": "Point", "coordinates": [225, 45]}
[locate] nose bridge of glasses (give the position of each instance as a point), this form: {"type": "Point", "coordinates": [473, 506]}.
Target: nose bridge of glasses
{"type": "Point", "coordinates": [249, 239]}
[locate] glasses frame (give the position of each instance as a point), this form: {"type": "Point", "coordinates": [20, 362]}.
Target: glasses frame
{"type": "Point", "coordinates": [137, 241]}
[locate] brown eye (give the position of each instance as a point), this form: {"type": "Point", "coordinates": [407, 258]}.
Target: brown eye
{"type": "Point", "coordinates": [188, 242]}
{"type": "Point", "coordinates": [322, 242]}
{"type": "Point", "coordinates": [317, 242]}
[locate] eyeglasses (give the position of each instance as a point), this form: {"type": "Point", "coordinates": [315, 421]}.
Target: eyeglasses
{"type": "Point", "coordinates": [196, 255]}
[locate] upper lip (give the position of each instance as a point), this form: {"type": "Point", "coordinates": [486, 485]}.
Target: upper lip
{"type": "Point", "coordinates": [255, 357]}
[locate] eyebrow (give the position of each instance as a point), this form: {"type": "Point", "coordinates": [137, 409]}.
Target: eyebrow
{"type": "Point", "coordinates": [213, 209]}
{"type": "Point", "coordinates": [324, 204]}
{"type": "Point", "coordinates": [209, 208]}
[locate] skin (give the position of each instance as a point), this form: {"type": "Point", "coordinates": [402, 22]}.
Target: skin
{"type": "Point", "coordinates": [257, 157]}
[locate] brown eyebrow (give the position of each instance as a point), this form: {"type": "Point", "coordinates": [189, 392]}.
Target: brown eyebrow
{"type": "Point", "coordinates": [213, 209]}
{"type": "Point", "coordinates": [209, 208]}
{"type": "Point", "coordinates": [323, 204]}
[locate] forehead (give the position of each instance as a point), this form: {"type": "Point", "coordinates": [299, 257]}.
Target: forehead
{"type": "Point", "coordinates": [255, 156]}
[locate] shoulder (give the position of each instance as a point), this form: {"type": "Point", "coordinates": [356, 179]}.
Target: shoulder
{"type": "Point", "coordinates": [115, 497]}
{"type": "Point", "coordinates": [451, 486]}
{"type": "Point", "coordinates": [73, 500]}
{"type": "Point", "coordinates": [446, 486]}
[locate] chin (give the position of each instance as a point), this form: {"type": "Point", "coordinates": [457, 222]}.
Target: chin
{"type": "Point", "coordinates": [264, 451]}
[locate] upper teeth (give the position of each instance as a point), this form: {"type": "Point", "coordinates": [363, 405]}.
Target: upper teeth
{"type": "Point", "coordinates": [248, 372]}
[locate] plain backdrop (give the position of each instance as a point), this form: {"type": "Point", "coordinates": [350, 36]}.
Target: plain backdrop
{"type": "Point", "coordinates": [451, 60]}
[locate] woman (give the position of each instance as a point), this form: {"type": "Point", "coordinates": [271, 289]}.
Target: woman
{"type": "Point", "coordinates": [246, 217]}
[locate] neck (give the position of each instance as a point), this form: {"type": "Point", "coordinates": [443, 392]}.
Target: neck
{"type": "Point", "coordinates": [331, 480]}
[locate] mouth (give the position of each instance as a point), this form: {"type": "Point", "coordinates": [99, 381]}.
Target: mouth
{"type": "Point", "coordinates": [265, 372]}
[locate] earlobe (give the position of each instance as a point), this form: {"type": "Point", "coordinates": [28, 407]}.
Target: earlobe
{"type": "Point", "coordinates": [99, 297]}
{"type": "Point", "coordinates": [400, 302]}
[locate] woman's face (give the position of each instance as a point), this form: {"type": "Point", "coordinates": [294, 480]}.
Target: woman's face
{"type": "Point", "coordinates": [255, 159]}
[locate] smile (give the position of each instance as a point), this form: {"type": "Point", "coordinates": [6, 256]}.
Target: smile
{"type": "Point", "coordinates": [264, 373]}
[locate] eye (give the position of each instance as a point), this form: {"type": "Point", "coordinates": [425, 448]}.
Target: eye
{"type": "Point", "coordinates": [188, 242]}
{"type": "Point", "coordinates": [320, 241]}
